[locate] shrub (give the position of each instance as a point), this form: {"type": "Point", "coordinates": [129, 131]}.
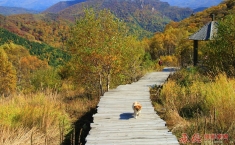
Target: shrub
{"type": "Point", "coordinates": [169, 60]}
{"type": "Point", "coordinates": [47, 78]}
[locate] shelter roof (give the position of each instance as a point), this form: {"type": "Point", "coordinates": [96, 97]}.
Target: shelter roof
{"type": "Point", "coordinates": [207, 32]}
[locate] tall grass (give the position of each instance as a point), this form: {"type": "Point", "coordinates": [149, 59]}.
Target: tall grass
{"type": "Point", "coordinates": [32, 119]}
{"type": "Point", "coordinates": [205, 105]}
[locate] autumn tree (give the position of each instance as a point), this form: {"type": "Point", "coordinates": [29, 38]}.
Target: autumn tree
{"type": "Point", "coordinates": [156, 45]}
{"type": "Point", "coordinates": [15, 53]}
{"type": "Point", "coordinates": [28, 66]}
{"type": "Point", "coordinates": [99, 46]}
{"type": "Point", "coordinates": [220, 52]}
{"type": "Point", "coordinates": [7, 75]}
{"type": "Point", "coordinates": [24, 63]}
{"type": "Point", "coordinates": [46, 79]}
{"type": "Point", "coordinates": [163, 44]}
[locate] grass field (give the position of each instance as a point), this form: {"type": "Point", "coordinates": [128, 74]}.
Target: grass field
{"type": "Point", "coordinates": [197, 105]}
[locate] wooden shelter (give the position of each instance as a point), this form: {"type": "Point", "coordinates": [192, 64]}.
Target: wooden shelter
{"type": "Point", "coordinates": [207, 32]}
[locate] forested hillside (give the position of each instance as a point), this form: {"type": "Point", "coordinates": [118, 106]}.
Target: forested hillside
{"type": "Point", "coordinates": [143, 18]}
{"type": "Point", "coordinates": [46, 28]}
{"type": "Point", "coordinates": [122, 7]}
{"type": "Point", "coordinates": [53, 56]}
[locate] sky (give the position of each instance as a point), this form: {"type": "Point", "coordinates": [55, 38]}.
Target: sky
{"type": "Point", "coordinates": [29, 4]}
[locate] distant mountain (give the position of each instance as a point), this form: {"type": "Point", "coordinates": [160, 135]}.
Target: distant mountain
{"type": "Point", "coordinates": [38, 5]}
{"type": "Point", "coordinates": [15, 10]}
{"type": "Point", "coordinates": [61, 5]}
{"type": "Point", "coordinates": [149, 16]}
{"type": "Point", "coordinates": [199, 9]}
{"type": "Point", "coordinates": [193, 3]}
{"type": "Point", "coordinates": [130, 10]}
{"type": "Point", "coordinates": [41, 5]}
{"type": "Point", "coordinates": [144, 17]}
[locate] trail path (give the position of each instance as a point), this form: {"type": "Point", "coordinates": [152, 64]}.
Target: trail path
{"type": "Point", "coordinates": [114, 123]}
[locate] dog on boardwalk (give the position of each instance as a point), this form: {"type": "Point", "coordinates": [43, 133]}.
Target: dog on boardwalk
{"type": "Point", "coordinates": [137, 109]}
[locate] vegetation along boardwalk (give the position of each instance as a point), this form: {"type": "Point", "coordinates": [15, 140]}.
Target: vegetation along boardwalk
{"type": "Point", "coordinates": [114, 123]}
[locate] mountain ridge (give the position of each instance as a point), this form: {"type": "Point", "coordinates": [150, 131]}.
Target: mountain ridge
{"type": "Point", "coordinates": [38, 5]}
{"type": "Point", "coordinates": [61, 5]}
{"type": "Point", "coordinates": [118, 6]}
{"type": "Point", "coordinates": [15, 10]}
{"type": "Point", "coordinates": [42, 5]}
{"type": "Point", "coordinates": [193, 4]}
{"type": "Point", "coordinates": [150, 15]}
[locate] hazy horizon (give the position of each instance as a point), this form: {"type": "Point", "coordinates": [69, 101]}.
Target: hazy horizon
{"type": "Point", "coordinates": [40, 5]}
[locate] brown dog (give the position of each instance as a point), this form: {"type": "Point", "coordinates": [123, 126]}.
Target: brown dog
{"type": "Point", "coordinates": [137, 109]}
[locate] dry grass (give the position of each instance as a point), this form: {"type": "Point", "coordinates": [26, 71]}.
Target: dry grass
{"type": "Point", "coordinates": [25, 136]}
{"type": "Point", "coordinates": [33, 119]}
{"type": "Point", "coordinates": [77, 106]}
{"type": "Point", "coordinates": [45, 118]}
{"type": "Point", "coordinates": [192, 105]}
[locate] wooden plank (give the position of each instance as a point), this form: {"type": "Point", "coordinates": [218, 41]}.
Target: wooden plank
{"type": "Point", "coordinates": [139, 132]}
{"type": "Point", "coordinates": [114, 122]}
{"type": "Point", "coordinates": [126, 137]}
{"type": "Point", "coordinates": [134, 142]}
{"type": "Point", "coordinates": [141, 125]}
{"type": "Point", "coordinates": [142, 139]}
{"type": "Point", "coordinates": [121, 118]}
{"type": "Point", "coordinates": [131, 143]}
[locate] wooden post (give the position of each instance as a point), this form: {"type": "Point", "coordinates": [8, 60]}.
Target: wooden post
{"type": "Point", "coordinates": [80, 136]}
{"type": "Point", "coordinates": [60, 133]}
{"type": "Point", "coordinates": [214, 119]}
{"type": "Point", "coordinates": [101, 88]}
{"type": "Point", "coordinates": [71, 139]}
{"type": "Point", "coordinates": [74, 135]}
{"type": "Point", "coordinates": [205, 129]}
{"type": "Point", "coordinates": [46, 138]}
{"type": "Point", "coordinates": [31, 138]}
{"type": "Point", "coordinates": [195, 52]}
{"type": "Point", "coordinates": [108, 79]}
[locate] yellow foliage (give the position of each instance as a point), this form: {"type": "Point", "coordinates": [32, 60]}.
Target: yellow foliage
{"type": "Point", "coordinates": [7, 75]}
{"type": "Point", "coordinates": [221, 97]}
{"type": "Point", "coordinates": [211, 99]}
{"type": "Point", "coordinates": [169, 60]}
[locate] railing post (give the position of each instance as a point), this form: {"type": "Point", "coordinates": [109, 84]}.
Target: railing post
{"type": "Point", "coordinates": [195, 52]}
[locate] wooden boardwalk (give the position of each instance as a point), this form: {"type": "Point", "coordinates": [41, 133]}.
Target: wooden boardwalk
{"type": "Point", "coordinates": [114, 123]}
